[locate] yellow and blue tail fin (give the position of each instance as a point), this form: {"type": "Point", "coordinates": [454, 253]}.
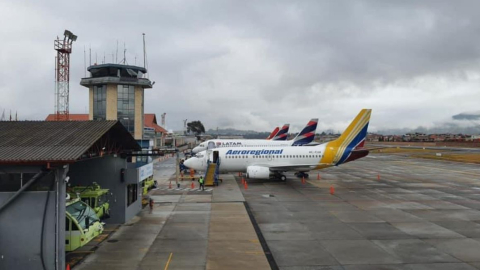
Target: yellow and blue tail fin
{"type": "Point", "coordinates": [353, 137]}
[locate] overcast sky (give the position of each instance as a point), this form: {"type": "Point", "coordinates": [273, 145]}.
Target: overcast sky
{"type": "Point", "coordinates": [257, 64]}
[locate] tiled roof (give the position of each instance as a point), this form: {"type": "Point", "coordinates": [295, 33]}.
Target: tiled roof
{"type": "Point", "coordinates": [59, 141]}
{"type": "Point", "coordinates": [73, 117]}
{"type": "Point", "coordinates": [151, 121]}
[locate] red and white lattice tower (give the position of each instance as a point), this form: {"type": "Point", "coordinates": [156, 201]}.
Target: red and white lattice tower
{"type": "Point", "coordinates": [62, 75]}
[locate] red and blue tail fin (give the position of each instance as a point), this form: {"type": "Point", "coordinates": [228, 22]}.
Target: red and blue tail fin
{"type": "Point", "coordinates": [307, 134]}
{"type": "Point", "coordinates": [274, 132]}
{"type": "Point", "coordinates": [282, 134]}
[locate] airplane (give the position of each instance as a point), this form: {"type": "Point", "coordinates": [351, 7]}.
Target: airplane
{"type": "Point", "coordinates": [306, 136]}
{"type": "Point", "coordinates": [274, 132]}
{"type": "Point", "coordinates": [272, 162]}
{"type": "Point", "coordinates": [282, 134]}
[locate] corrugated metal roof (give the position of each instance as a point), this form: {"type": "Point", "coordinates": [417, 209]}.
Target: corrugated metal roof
{"type": "Point", "coordinates": [56, 141]}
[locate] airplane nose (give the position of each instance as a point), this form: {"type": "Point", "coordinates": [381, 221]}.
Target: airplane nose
{"type": "Point", "coordinates": [195, 150]}
{"type": "Point", "coordinates": [189, 162]}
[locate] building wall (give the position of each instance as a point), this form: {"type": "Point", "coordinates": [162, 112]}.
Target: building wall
{"type": "Point", "coordinates": [112, 98]}
{"type": "Point", "coordinates": [138, 113]}
{"type": "Point", "coordinates": [106, 172]}
{"type": "Point", "coordinates": [21, 229]}
{"type": "Point", "coordinates": [90, 103]}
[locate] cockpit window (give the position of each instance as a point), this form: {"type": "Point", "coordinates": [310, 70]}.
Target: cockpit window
{"type": "Point", "coordinates": [199, 156]}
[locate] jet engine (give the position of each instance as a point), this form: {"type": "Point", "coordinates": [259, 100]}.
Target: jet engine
{"type": "Point", "coordinates": [258, 172]}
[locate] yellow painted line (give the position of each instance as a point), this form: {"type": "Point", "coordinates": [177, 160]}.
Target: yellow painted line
{"type": "Point", "coordinates": [434, 168]}
{"type": "Point", "coordinates": [168, 262]}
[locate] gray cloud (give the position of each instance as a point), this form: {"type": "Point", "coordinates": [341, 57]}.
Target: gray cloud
{"type": "Point", "coordinates": [259, 64]}
{"type": "Point", "coordinates": [467, 116]}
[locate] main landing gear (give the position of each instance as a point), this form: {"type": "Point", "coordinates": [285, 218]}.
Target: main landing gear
{"type": "Point", "coordinates": [301, 174]}
{"type": "Point", "coordinates": [280, 177]}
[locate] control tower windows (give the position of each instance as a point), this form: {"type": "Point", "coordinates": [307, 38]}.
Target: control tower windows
{"type": "Point", "coordinates": [99, 102]}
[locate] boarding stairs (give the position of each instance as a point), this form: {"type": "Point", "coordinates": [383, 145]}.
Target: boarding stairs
{"type": "Point", "coordinates": [211, 175]}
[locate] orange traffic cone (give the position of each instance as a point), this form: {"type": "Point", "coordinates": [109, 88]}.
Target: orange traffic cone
{"type": "Point", "coordinates": [68, 267]}
{"type": "Point", "coordinates": [318, 176]}
{"type": "Point", "coordinates": [170, 185]}
{"type": "Point", "coordinates": [303, 180]}
{"type": "Point", "coordinates": [193, 185]}
{"type": "Point", "coordinates": [332, 190]}
{"type": "Point", "coordinates": [245, 185]}
{"type": "Point", "coordinates": [378, 176]}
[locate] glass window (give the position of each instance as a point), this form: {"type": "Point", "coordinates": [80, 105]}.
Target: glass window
{"type": "Point", "coordinates": [100, 102]}
{"type": "Point", "coordinates": [126, 106]}
{"type": "Point", "coordinates": [131, 194]}
{"type": "Point", "coordinates": [80, 211]}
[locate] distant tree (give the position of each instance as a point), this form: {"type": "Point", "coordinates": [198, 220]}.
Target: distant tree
{"type": "Point", "coordinates": [196, 127]}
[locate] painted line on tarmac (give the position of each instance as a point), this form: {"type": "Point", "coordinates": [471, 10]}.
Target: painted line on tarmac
{"type": "Point", "coordinates": [168, 262]}
{"type": "Point", "coordinates": [263, 242]}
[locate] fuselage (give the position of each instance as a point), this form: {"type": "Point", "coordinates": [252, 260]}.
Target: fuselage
{"type": "Point", "coordinates": [289, 158]}
{"type": "Point", "coordinates": [222, 143]}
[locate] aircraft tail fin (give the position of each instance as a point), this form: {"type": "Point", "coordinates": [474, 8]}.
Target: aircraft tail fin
{"type": "Point", "coordinates": [307, 134]}
{"type": "Point", "coordinates": [282, 134]}
{"type": "Point", "coordinates": [354, 136]}
{"type": "Point", "coordinates": [274, 132]}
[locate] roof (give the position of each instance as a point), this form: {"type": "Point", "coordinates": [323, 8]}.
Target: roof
{"type": "Point", "coordinates": [144, 70]}
{"type": "Point", "coordinates": [150, 120]}
{"type": "Point", "coordinates": [73, 117]}
{"type": "Point", "coordinates": [39, 142]}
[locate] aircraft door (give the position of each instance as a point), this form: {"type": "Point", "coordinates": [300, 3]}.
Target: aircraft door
{"type": "Point", "coordinates": [68, 234]}
{"type": "Point", "coordinates": [211, 145]}
{"type": "Point", "coordinates": [215, 156]}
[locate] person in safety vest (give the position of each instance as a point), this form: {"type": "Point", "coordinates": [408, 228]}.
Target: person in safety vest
{"type": "Point", "coordinates": [201, 181]}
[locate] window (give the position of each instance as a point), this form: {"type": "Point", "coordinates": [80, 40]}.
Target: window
{"type": "Point", "coordinates": [80, 211]}
{"type": "Point", "coordinates": [132, 194]}
{"type": "Point", "coordinates": [100, 102]}
{"type": "Point", "coordinates": [126, 106]}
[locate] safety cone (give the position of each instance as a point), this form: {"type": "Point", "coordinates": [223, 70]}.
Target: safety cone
{"type": "Point", "coordinates": [332, 190]}
{"type": "Point", "coordinates": [378, 176]}
{"type": "Point", "coordinates": [303, 180]}
{"type": "Point", "coordinates": [192, 186]}
{"type": "Point", "coordinates": [318, 176]}
{"type": "Point", "coordinates": [245, 185]}
{"type": "Point", "coordinates": [68, 267]}
{"type": "Point", "coordinates": [170, 185]}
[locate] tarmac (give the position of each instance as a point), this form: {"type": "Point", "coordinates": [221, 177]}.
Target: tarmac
{"type": "Point", "coordinates": [387, 212]}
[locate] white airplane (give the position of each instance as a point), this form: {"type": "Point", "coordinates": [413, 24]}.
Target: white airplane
{"type": "Point", "coordinates": [306, 136]}
{"type": "Point", "coordinates": [264, 163]}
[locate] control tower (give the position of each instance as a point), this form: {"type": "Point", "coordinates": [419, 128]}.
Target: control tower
{"type": "Point", "coordinates": [116, 92]}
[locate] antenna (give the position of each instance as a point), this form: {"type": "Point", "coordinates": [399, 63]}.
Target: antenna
{"type": "Point", "coordinates": [145, 62]}
{"type": "Point", "coordinates": [124, 54]}
{"type": "Point", "coordinates": [84, 62]}
{"type": "Point", "coordinates": [90, 55]}
{"type": "Point", "coordinates": [64, 49]}
{"type": "Point", "coordinates": [144, 53]}
{"type": "Point", "coordinates": [116, 54]}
